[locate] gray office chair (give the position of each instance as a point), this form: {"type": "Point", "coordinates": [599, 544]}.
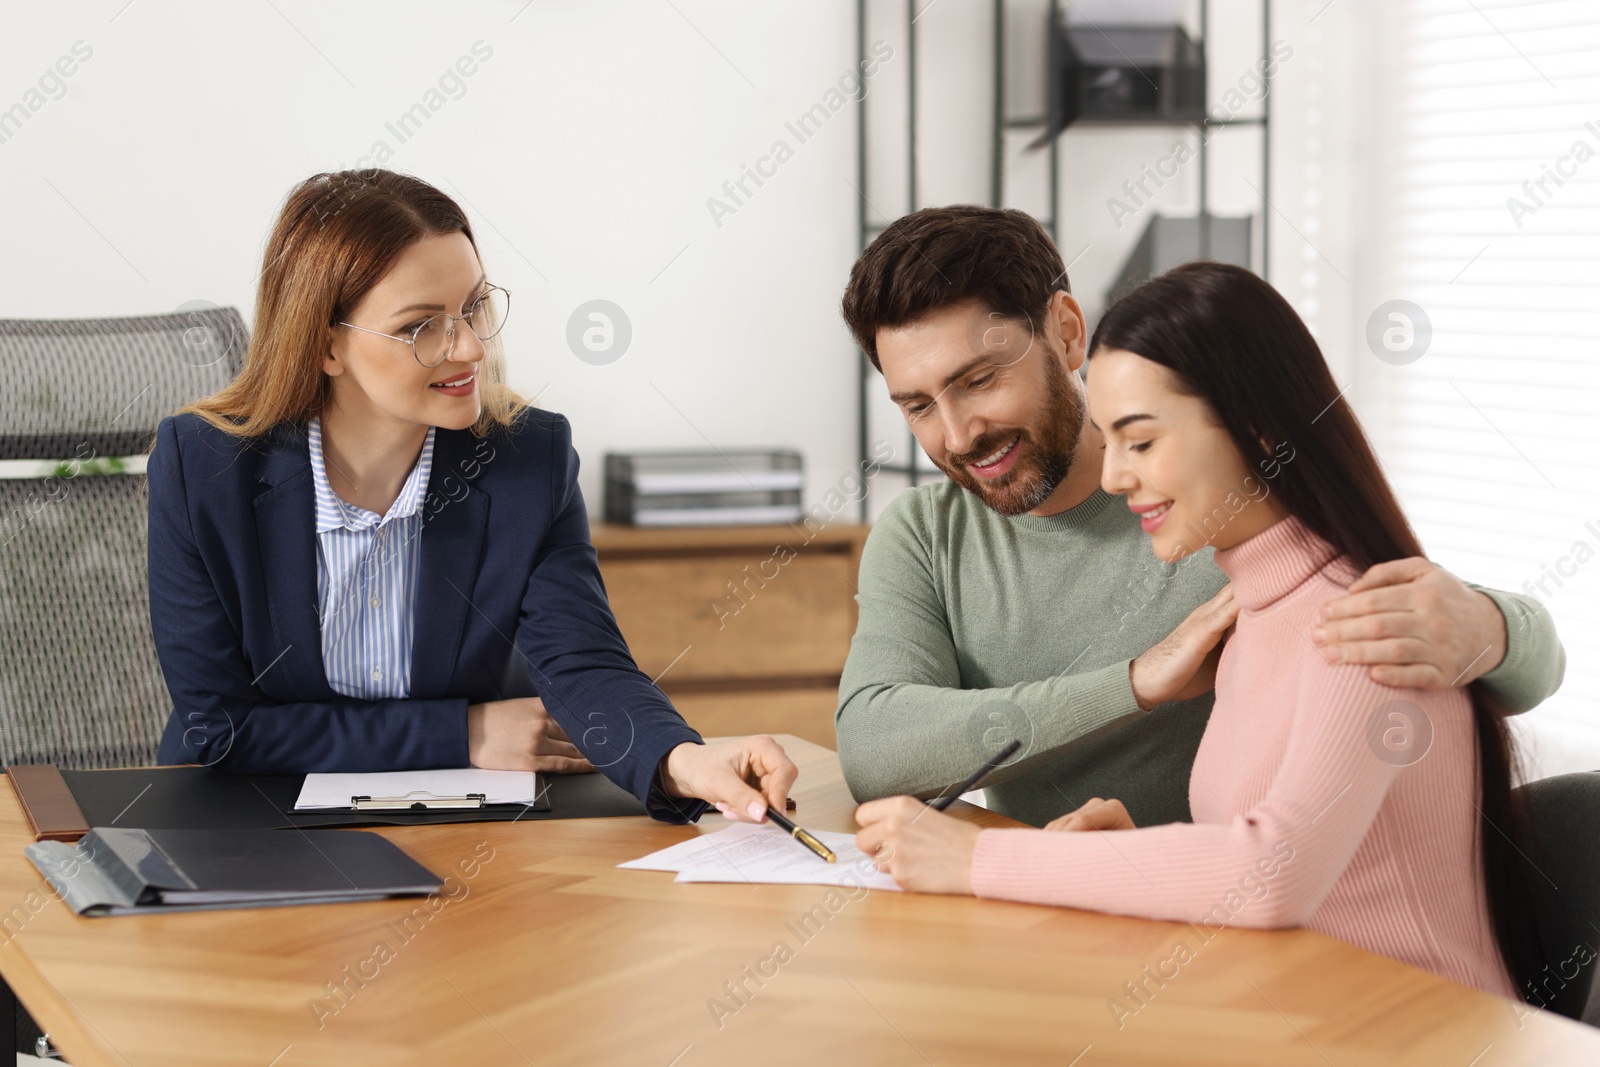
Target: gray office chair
{"type": "Point", "coordinates": [80, 685]}
{"type": "Point", "coordinates": [1565, 812]}
{"type": "Point", "coordinates": [99, 386]}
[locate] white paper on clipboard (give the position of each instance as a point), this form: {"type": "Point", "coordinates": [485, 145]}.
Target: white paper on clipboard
{"type": "Point", "coordinates": [321, 792]}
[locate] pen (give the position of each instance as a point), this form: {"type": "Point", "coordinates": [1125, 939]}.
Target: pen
{"type": "Point", "coordinates": [944, 800]}
{"type": "Point", "coordinates": [800, 835]}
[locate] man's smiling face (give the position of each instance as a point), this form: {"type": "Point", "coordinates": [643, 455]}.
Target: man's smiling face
{"type": "Point", "coordinates": [990, 399]}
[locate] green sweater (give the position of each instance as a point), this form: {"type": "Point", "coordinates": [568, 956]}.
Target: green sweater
{"type": "Point", "coordinates": [976, 628]}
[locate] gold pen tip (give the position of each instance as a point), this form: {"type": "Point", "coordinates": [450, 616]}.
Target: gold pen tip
{"type": "Point", "coordinates": [816, 846]}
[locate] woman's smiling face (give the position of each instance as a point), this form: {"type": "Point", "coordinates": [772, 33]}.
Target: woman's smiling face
{"type": "Point", "coordinates": [377, 374]}
{"type": "Point", "coordinates": [1178, 466]}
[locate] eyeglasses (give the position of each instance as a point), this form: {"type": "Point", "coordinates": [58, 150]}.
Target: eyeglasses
{"type": "Point", "coordinates": [434, 338]}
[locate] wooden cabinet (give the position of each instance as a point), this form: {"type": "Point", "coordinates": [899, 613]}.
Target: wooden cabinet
{"type": "Point", "coordinates": [745, 628]}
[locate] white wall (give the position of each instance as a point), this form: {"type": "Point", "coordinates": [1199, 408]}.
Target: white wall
{"type": "Point", "coordinates": [585, 149]}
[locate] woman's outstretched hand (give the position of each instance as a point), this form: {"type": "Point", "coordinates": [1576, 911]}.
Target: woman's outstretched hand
{"type": "Point", "coordinates": [741, 777]}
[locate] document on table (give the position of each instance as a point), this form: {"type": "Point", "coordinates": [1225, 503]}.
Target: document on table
{"type": "Point", "coordinates": [322, 791]}
{"type": "Point", "coordinates": [762, 854]}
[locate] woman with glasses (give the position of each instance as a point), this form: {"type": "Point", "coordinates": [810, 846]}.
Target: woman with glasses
{"type": "Point", "coordinates": [368, 553]}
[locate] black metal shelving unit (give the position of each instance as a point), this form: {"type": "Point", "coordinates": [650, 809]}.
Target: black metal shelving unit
{"type": "Point", "coordinates": [1002, 123]}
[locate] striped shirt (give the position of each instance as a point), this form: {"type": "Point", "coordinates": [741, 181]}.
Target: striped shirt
{"type": "Point", "coordinates": [367, 581]}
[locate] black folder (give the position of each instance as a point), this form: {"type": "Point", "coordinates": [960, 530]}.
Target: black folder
{"type": "Point", "coordinates": [202, 799]}
{"type": "Point", "coordinates": [115, 870]}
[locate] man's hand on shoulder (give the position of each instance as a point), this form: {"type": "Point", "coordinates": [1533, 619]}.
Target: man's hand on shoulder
{"type": "Point", "coordinates": [1183, 665]}
{"type": "Point", "coordinates": [1416, 625]}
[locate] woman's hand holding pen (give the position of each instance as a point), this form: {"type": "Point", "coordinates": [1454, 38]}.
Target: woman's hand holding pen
{"type": "Point", "coordinates": [519, 735]}
{"type": "Point", "coordinates": [925, 850]}
{"type": "Point", "coordinates": [741, 777]}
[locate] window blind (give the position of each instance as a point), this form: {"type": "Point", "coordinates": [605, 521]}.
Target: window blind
{"type": "Point", "coordinates": [1485, 214]}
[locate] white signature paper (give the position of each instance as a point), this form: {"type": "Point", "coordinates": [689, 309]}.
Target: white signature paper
{"type": "Point", "coordinates": [762, 854]}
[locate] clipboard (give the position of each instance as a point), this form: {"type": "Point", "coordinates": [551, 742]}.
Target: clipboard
{"type": "Point", "coordinates": [420, 800]}
{"type": "Point", "coordinates": [420, 791]}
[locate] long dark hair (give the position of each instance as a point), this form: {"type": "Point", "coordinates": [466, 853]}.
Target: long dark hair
{"type": "Point", "coordinates": [1230, 339]}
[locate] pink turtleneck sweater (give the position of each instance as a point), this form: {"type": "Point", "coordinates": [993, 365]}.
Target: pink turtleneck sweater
{"type": "Point", "coordinates": [1319, 799]}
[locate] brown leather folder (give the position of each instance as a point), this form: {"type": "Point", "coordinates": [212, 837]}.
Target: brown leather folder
{"type": "Point", "coordinates": [52, 811]}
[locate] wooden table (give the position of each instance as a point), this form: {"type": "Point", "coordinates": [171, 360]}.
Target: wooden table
{"type": "Point", "coordinates": [547, 954]}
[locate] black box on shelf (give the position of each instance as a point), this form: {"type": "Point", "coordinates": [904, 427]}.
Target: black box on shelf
{"type": "Point", "coordinates": [1125, 74]}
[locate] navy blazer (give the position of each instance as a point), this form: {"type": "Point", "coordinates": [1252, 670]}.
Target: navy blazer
{"type": "Point", "coordinates": [509, 603]}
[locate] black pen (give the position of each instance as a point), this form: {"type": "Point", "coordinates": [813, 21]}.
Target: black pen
{"type": "Point", "coordinates": [944, 800]}
{"type": "Point", "coordinates": [800, 835]}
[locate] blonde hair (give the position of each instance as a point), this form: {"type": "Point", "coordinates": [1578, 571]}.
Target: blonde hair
{"type": "Point", "coordinates": [337, 236]}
